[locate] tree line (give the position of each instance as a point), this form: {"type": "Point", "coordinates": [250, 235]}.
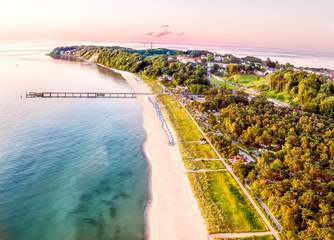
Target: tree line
{"type": "Point", "coordinates": [296, 176]}
{"type": "Point", "coordinates": [314, 93]}
{"type": "Point", "coordinates": [154, 63]}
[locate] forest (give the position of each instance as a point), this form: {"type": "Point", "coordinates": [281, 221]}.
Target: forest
{"type": "Point", "coordinates": [295, 177]}
{"type": "Point", "coordinates": [153, 63]}
{"type": "Point", "coordinates": [314, 93]}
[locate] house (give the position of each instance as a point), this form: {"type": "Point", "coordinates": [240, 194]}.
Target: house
{"type": "Point", "coordinates": [198, 98]}
{"type": "Point", "coordinates": [165, 77]}
{"type": "Point", "coordinates": [211, 65]}
{"type": "Point", "coordinates": [171, 59]}
{"type": "Point", "coordinates": [222, 65]}
{"type": "Point", "coordinates": [269, 71]}
{"type": "Point", "coordinates": [237, 158]}
{"type": "Point", "coordinates": [221, 69]}
{"type": "Point", "coordinates": [65, 52]}
{"type": "Point", "coordinates": [218, 58]}
{"type": "Point", "coordinates": [247, 158]}
{"type": "Point", "coordinates": [185, 59]}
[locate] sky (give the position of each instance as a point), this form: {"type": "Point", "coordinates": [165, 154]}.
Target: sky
{"type": "Point", "coordinates": [303, 25]}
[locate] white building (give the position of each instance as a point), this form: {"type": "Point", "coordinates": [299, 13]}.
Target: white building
{"type": "Point", "coordinates": [185, 59]}
{"type": "Point", "coordinates": [219, 58]}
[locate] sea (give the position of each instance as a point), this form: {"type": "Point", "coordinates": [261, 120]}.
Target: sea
{"type": "Point", "coordinates": [70, 169]}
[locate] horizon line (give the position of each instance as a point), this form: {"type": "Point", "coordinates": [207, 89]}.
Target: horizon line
{"type": "Point", "coordinates": [313, 53]}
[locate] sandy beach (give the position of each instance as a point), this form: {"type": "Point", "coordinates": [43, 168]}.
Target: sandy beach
{"type": "Point", "coordinates": [172, 212]}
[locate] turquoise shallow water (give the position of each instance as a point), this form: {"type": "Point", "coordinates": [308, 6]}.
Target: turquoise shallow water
{"type": "Point", "coordinates": [69, 168]}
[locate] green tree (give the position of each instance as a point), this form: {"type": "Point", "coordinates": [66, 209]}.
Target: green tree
{"type": "Point", "coordinates": [233, 69]}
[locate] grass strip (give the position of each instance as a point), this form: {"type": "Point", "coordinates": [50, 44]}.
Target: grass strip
{"type": "Point", "coordinates": [223, 205]}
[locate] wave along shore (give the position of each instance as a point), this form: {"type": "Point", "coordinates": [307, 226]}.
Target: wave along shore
{"type": "Point", "coordinates": [172, 211]}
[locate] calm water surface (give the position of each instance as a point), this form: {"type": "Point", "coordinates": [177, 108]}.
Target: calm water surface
{"type": "Point", "coordinates": [69, 168]}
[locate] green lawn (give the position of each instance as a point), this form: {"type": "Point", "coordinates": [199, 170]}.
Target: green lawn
{"type": "Point", "coordinates": [225, 84]}
{"type": "Point", "coordinates": [248, 80]}
{"type": "Point", "coordinates": [260, 85]}
{"type": "Point", "coordinates": [282, 96]}
{"type": "Point", "coordinates": [196, 150]}
{"type": "Point", "coordinates": [198, 165]}
{"type": "Point", "coordinates": [185, 129]}
{"type": "Point", "coordinates": [152, 83]}
{"type": "Point", "coordinates": [223, 205]}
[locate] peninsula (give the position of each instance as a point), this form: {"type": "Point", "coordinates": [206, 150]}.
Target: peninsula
{"type": "Point", "coordinates": [254, 142]}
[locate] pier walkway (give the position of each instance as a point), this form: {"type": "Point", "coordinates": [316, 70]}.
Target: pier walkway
{"type": "Point", "coordinates": [84, 94]}
{"type": "Point", "coordinates": [100, 94]}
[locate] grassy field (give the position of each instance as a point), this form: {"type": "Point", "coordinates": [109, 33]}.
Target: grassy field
{"type": "Point", "coordinates": [196, 150]}
{"type": "Point", "coordinates": [260, 85]}
{"type": "Point", "coordinates": [222, 203]}
{"type": "Point", "coordinates": [185, 129]}
{"type": "Point", "coordinates": [203, 165]}
{"type": "Point", "coordinates": [282, 96]}
{"type": "Point", "coordinates": [248, 80]}
{"type": "Point", "coordinates": [152, 83]}
{"type": "Point", "coordinates": [225, 84]}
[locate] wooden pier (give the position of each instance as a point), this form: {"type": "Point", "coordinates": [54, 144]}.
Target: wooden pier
{"type": "Point", "coordinates": [84, 94]}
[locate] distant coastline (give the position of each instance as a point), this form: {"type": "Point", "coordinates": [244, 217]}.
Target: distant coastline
{"type": "Point", "coordinates": [203, 82]}
{"type": "Point", "coordinates": [295, 57]}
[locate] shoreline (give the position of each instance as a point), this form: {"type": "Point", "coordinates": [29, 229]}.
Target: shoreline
{"type": "Point", "coordinates": [172, 211]}
{"type": "Point", "coordinates": [147, 235]}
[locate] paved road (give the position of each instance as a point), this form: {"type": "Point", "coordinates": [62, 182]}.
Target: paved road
{"type": "Point", "coordinates": [229, 168]}
{"type": "Point", "coordinates": [266, 209]}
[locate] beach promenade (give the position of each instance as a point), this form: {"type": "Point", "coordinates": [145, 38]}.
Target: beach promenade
{"type": "Point", "coordinates": [172, 211]}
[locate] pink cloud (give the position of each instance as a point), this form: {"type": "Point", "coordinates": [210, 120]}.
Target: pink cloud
{"type": "Point", "coordinates": [149, 33]}
{"type": "Point", "coordinates": [165, 26]}
{"type": "Point", "coordinates": [181, 34]}
{"type": "Point", "coordinates": [164, 33]}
